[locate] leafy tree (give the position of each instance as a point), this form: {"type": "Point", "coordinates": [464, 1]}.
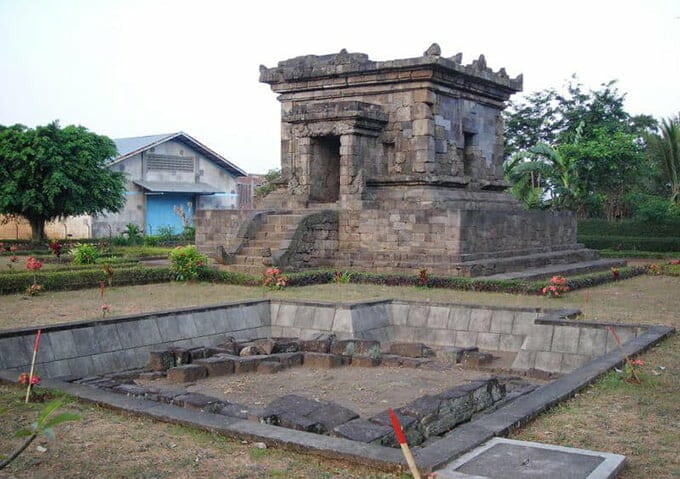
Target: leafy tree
{"type": "Point", "coordinates": [51, 172]}
{"type": "Point", "coordinates": [664, 148]}
{"type": "Point", "coordinates": [553, 117]}
{"type": "Point", "coordinates": [582, 143]}
{"type": "Point", "coordinates": [271, 179]}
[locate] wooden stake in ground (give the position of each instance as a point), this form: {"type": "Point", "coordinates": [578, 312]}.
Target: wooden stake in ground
{"type": "Point", "coordinates": [36, 345]}
{"type": "Point", "coordinates": [404, 445]}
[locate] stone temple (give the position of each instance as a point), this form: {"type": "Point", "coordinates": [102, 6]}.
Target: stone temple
{"type": "Point", "coordinates": [391, 166]}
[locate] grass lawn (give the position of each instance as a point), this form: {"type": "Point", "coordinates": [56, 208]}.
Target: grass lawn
{"type": "Point", "coordinates": [640, 421]}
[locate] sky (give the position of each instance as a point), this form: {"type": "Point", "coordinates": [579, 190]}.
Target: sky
{"type": "Point", "coordinates": [126, 68]}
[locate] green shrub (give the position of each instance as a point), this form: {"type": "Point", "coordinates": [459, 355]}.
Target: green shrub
{"type": "Point", "coordinates": [151, 240]}
{"type": "Point", "coordinates": [85, 254]}
{"type": "Point", "coordinates": [598, 227]}
{"type": "Point", "coordinates": [189, 234]}
{"type": "Point", "coordinates": [635, 243]}
{"type": "Point", "coordinates": [187, 263]}
{"type": "Point", "coordinates": [81, 279]}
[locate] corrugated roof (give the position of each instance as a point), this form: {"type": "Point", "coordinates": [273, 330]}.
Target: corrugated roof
{"type": "Point", "coordinates": [128, 147]}
{"type": "Point", "coordinates": [125, 146]}
{"type": "Point", "coordinates": [177, 187]}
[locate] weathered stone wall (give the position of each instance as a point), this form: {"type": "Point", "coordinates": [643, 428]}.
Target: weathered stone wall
{"type": "Point", "coordinates": [315, 243]}
{"type": "Point", "coordinates": [215, 228]}
{"type": "Point", "coordinates": [427, 118]}
{"type": "Point", "coordinates": [543, 340]}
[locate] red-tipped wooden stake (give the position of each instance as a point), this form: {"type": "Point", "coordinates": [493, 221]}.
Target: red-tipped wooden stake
{"type": "Point", "coordinates": [404, 445]}
{"type": "Point", "coordinates": [36, 345]}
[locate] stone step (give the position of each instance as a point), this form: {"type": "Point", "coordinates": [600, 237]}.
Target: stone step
{"type": "Point", "coordinates": [247, 268]}
{"type": "Point", "coordinates": [570, 269]}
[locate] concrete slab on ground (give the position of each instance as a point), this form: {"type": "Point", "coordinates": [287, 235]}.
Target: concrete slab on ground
{"type": "Point", "coordinates": [502, 458]}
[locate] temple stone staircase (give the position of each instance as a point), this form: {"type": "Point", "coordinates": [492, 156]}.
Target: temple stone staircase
{"type": "Point", "coordinates": [270, 240]}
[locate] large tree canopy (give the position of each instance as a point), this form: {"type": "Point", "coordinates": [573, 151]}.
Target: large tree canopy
{"type": "Point", "coordinates": [51, 172]}
{"type": "Point", "coordinates": [577, 149]}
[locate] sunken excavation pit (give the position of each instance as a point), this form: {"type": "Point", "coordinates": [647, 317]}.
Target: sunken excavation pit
{"type": "Point", "coordinates": [320, 377]}
{"type": "Point", "coordinates": [343, 390]}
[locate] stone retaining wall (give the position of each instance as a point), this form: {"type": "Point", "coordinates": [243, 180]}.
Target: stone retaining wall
{"type": "Point", "coordinates": [543, 340]}
{"type": "Point", "coordinates": [95, 347]}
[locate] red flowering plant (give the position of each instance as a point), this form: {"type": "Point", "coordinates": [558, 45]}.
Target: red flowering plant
{"type": "Point", "coordinates": [423, 277]}
{"type": "Point", "coordinates": [273, 279]}
{"type": "Point", "coordinates": [25, 379]}
{"type": "Point", "coordinates": [13, 258]}
{"type": "Point", "coordinates": [34, 265]}
{"type": "Point", "coordinates": [616, 272]}
{"type": "Point", "coordinates": [56, 247]}
{"type": "Point", "coordinates": [557, 287]}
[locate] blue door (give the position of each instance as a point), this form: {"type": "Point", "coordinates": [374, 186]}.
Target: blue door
{"type": "Point", "coordinates": [160, 212]}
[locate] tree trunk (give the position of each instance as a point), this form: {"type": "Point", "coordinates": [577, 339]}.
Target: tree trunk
{"type": "Point", "coordinates": [37, 230]}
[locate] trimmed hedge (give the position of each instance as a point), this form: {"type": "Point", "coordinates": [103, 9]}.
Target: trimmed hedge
{"type": "Point", "coordinates": [640, 243]}
{"type": "Point", "coordinates": [81, 279]}
{"type": "Point", "coordinates": [90, 278]}
{"type": "Point", "coordinates": [20, 267]}
{"type": "Point", "coordinates": [309, 278]}
{"type": "Point", "coordinates": [599, 227]}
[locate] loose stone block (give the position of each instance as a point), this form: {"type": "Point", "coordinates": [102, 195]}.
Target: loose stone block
{"type": "Point", "coordinates": [322, 361]}
{"type": "Point", "coordinates": [424, 409]}
{"type": "Point", "coordinates": [266, 346]}
{"type": "Point", "coordinates": [288, 359]}
{"type": "Point", "coordinates": [453, 354]}
{"type": "Point", "coordinates": [290, 404]}
{"type": "Point", "coordinates": [168, 396]}
{"type": "Point", "coordinates": [269, 367]}
{"type": "Point", "coordinates": [365, 362]}
{"type": "Point", "coordinates": [230, 347]}
{"type": "Point", "coordinates": [456, 403]}
{"type": "Point", "coordinates": [196, 401]}
{"type": "Point", "coordinates": [409, 425]}
{"type": "Point", "coordinates": [161, 360]}
{"type": "Point", "coordinates": [411, 350]}
{"type": "Point", "coordinates": [300, 423]}
{"type": "Point", "coordinates": [197, 353]}
{"type": "Point", "coordinates": [331, 415]}
{"type": "Point", "coordinates": [350, 347]}
{"type": "Point", "coordinates": [320, 343]}
{"type": "Point", "coordinates": [362, 430]}
{"type": "Point", "coordinates": [234, 410]}
{"type": "Point", "coordinates": [217, 365]}
{"type": "Point", "coordinates": [186, 373]}
{"type": "Point", "coordinates": [286, 345]}
{"type": "Point", "coordinates": [247, 364]}
{"type": "Point", "coordinates": [182, 356]}
{"type": "Point", "coordinates": [476, 359]}
{"type": "Point", "coordinates": [251, 350]}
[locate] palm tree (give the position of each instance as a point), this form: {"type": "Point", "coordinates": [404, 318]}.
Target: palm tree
{"type": "Point", "coordinates": [546, 170]}
{"type": "Point", "coordinates": [665, 149]}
